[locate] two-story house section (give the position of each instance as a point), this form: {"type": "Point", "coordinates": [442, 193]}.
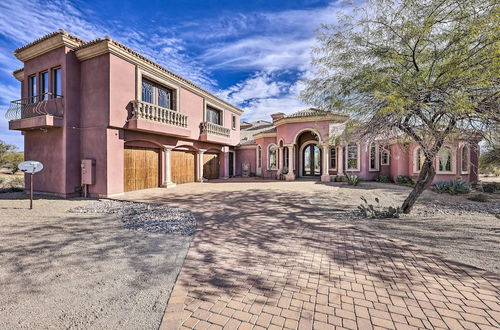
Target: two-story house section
{"type": "Point", "coordinates": [104, 118]}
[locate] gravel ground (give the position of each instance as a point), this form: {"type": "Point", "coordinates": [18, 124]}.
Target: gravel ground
{"type": "Point", "coordinates": [450, 225]}
{"type": "Point", "coordinates": [84, 270]}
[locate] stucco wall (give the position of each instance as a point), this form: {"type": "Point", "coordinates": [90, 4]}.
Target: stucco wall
{"type": "Point", "coordinates": [246, 156]}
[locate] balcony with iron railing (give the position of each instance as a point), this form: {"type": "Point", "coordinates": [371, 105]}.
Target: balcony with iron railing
{"type": "Point", "coordinates": [39, 111]}
{"type": "Point", "coordinates": [153, 118]}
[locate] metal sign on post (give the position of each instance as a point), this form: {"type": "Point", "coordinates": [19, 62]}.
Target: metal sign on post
{"type": "Point", "coordinates": [31, 167]}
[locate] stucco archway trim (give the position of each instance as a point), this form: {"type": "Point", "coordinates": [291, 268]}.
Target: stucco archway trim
{"type": "Point", "coordinates": [312, 130]}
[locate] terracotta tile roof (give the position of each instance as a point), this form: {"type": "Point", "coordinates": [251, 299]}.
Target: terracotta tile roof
{"type": "Point", "coordinates": [310, 112]}
{"type": "Point", "coordinates": [48, 36]}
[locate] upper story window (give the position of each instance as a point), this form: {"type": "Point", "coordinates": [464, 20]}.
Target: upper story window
{"type": "Point", "coordinates": [213, 115]}
{"type": "Point", "coordinates": [44, 85]}
{"type": "Point", "coordinates": [56, 83]}
{"type": "Point", "coordinates": [352, 157]}
{"type": "Point", "coordinates": [445, 160]}
{"type": "Point", "coordinates": [147, 91]}
{"type": "Point", "coordinates": [333, 158]}
{"type": "Point", "coordinates": [32, 88]}
{"type": "Point", "coordinates": [233, 121]}
{"type": "Point", "coordinates": [156, 94]}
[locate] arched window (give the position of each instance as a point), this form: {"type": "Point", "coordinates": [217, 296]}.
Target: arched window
{"type": "Point", "coordinates": [333, 158]}
{"type": "Point", "coordinates": [445, 160]}
{"type": "Point", "coordinates": [272, 157]}
{"type": "Point", "coordinates": [418, 159]}
{"type": "Point", "coordinates": [465, 159]}
{"type": "Point", "coordinates": [259, 157]}
{"type": "Point", "coordinates": [352, 158]}
{"type": "Point", "coordinates": [374, 157]}
{"type": "Point", "coordinates": [385, 157]}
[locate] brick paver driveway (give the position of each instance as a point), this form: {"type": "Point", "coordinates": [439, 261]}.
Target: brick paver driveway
{"type": "Point", "coordinates": [265, 256]}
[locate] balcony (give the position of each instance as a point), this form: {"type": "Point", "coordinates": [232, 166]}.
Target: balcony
{"type": "Point", "coordinates": [40, 111]}
{"type": "Point", "coordinates": [214, 133]}
{"type": "Point", "coordinates": [153, 118]}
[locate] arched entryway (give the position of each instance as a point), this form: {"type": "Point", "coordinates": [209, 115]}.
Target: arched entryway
{"type": "Point", "coordinates": [311, 160]}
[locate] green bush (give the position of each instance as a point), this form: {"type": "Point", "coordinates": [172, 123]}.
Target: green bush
{"type": "Point", "coordinates": [352, 179]}
{"type": "Point", "coordinates": [491, 187]}
{"type": "Point", "coordinates": [452, 187]}
{"type": "Point", "coordinates": [405, 180]}
{"type": "Point", "coordinates": [12, 161]}
{"type": "Point", "coordinates": [383, 178]}
{"type": "Point", "coordinates": [378, 212]}
{"type": "Point", "coordinates": [482, 198]}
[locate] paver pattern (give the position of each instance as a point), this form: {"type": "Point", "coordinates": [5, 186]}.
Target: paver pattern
{"type": "Point", "coordinates": [265, 257]}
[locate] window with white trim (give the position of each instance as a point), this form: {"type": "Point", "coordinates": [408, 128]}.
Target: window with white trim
{"type": "Point", "coordinates": [272, 157]}
{"type": "Point", "coordinates": [156, 94]}
{"type": "Point", "coordinates": [233, 121]}
{"type": "Point", "coordinates": [418, 159]}
{"type": "Point", "coordinates": [333, 158]}
{"type": "Point", "coordinates": [352, 158]}
{"type": "Point", "coordinates": [465, 159]}
{"type": "Point", "coordinates": [374, 157]}
{"type": "Point", "coordinates": [445, 160]}
{"type": "Point", "coordinates": [213, 115]}
{"type": "Point", "coordinates": [385, 157]}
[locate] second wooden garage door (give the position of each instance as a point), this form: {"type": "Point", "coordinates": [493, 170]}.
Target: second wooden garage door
{"type": "Point", "coordinates": [141, 168]}
{"type": "Point", "coordinates": [211, 166]}
{"type": "Point", "coordinates": [183, 166]}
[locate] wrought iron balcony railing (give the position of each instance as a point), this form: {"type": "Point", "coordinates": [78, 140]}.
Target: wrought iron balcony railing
{"type": "Point", "coordinates": [210, 128]}
{"type": "Point", "coordinates": [39, 105]}
{"type": "Point", "coordinates": [144, 110]}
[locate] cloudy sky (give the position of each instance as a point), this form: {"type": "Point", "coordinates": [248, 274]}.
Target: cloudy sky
{"type": "Point", "coordinates": [251, 53]}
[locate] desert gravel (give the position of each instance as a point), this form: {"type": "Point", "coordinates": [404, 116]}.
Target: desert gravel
{"type": "Point", "coordinates": [62, 270]}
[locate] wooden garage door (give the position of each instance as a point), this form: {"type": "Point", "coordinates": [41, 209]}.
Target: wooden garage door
{"type": "Point", "coordinates": [211, 166]}
{"type": "Point", "coordinates": [183, 166]}
{"type": "Point", "coordinates": [141, 168]}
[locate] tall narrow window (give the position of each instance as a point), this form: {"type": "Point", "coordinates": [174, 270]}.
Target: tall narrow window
{"type": "Point", "coordinates": [465, 159]}
{"type": "Point", "coordinates": [352, 157]}
{"type": "Point", "coordinates": [384, 157]}
{"type": "Point", "coordinates": [164, 98]}
{"type": "Point", "coordinates": [418, 160]}
{"type": "Point", "coordinates": [147, 92]}
{"type": "Point", "coordinates": [333, 158]}
{"type": "Point", "coordinates": [445, 157]}
{"type": "Point", "coordinates": [233, 121]}
{"type": "Point", "coordinates": [44, 86]}
{"type": "Point", "coordinates": [285, 157]}
{"type": "Point", "coordinates": [259, 157]}
{"type": "Point", "coordinates": [373, 157]}
{"type": "Point", "coordinates": [272, 157]}
{"type": "Point", "coordinates": [56, 83]}
{"type": "Point", "coordinates": [32, 88]}
{"type": "Point", "coordinates": [213, 116]}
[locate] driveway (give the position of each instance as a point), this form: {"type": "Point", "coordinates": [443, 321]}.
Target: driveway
{"type": "Point", "coordinates": [268, 255]}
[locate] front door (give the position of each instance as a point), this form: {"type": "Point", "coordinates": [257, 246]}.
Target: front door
{"type": "Point", "coordinates": [311, 160]}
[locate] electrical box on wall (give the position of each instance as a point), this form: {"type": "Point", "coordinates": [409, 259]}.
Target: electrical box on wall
{"type": "Point", "coordinates": [88, 171]}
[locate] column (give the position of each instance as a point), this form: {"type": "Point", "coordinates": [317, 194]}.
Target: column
{"type": "Point", "coordinates": [200, 166]}
{"type": "Point", "coordinates": [167, 177]}
{"type": "Point", "coordinates": [291, 163]}
{"type": "Point", "coordinates": [340, 161]}
{"type": "Point", "coordinates": [325, 176]}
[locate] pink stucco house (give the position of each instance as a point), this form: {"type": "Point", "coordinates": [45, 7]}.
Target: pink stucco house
{"type": "Point", "coordinates": [104, 120]}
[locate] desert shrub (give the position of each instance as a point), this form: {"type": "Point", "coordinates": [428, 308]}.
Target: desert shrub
{"type": "Point", "coordinates": [377, 211]}
{"type": "Point", "coordinates": [482, 198]}
{"type": "Point", "coordinates": [2, 180]}
{"type": "Point", "coordinates": [352, 179]}
{"type": "Point", "coordinates": [405, 180]}
{"type": "Point", "coordinates": [12, 161]}
{"type": "Point", "coordinates": [382, 178]}
{"type": "Point", "coordinates": [452, 187]}
{"type": "Point", "coordinates": [491, 187]}
{"type": "Point", "coordinates": [17, 182]}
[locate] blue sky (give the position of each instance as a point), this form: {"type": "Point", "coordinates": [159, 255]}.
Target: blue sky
{"type": "Point", "coordinates": [251, 53]}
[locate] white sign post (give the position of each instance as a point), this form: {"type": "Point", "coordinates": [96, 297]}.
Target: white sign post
{"type": "Point", "coordinates": [31, 167]}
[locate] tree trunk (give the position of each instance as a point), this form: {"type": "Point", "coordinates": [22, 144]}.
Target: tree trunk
{"type": "Point", "coordinates": [425, 178]}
